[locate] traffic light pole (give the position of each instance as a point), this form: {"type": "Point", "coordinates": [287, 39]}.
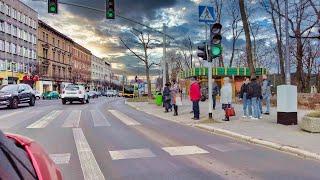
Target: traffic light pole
{"type": "Point", "coordinates": [209, 75]}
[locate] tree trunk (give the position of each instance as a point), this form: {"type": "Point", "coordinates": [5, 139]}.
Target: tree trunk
{"type": "Point", "coordinates": [247, 35]}
{"type": "Point", "coordinates": [232, 52]}
{"type": "Point", "coordinates": [299, 70]}
{"type": "Point", "coordinates": [148, 79]}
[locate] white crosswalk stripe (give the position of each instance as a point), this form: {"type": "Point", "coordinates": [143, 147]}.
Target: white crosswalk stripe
{"type": "Point", "coordinates": [73, 119]}
{"type": "Point", "coordinates": [10, 114]}
{"type": "Point", "coordinates": [184, 150]}
{"type": "Point", "coordinates": [44, 121]}
{"type": "Point", "coordinates": [124, 118]}
{"type": "Point", "coordinates": [131, 154]}
{"type": "Point", "coordinates": [60, 158]}
{"type": "Point", "coordinates": [99, 119]}
{"type": "Point", "coordinates": [89, 165]}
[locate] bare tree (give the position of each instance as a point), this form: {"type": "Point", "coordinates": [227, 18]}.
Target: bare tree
{"type": "Point", "coordinates": [247, 35]}
{"type": "Point", "coordinates": [143, 41]}
{"type": "Point", "coordinates": [234, 13]}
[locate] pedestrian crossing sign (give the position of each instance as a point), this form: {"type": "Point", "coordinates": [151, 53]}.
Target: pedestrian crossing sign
{"type": "Point", "coordinates": [206, 14]}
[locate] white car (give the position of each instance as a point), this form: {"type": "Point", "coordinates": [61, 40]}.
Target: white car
{"type": "Point", "coordinates": [110, 93]}
{"type": "Point", "coordinates": [74, 92]}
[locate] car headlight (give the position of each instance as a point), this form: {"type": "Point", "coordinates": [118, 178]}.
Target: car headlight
{"type": "Point", "coordinates": [7, 95]}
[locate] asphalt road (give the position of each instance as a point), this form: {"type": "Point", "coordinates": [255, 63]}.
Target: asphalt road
{"type": "Point", "coordinates": [107, 139]}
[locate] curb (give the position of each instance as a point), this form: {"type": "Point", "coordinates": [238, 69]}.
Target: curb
{"type": "Point", "coordinates": [249, 139]}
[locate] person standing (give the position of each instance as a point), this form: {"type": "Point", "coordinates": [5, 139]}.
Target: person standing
{"type": "Point", "coordinates": [266, 93]}
{"type": "Point", "coordinates": [246, 99]}
{"type": "Point", "coordinates": [255, 94]}
{"type": "Point", "coordinates": [215, 92]}
{"type": "Point", "coordinates": [195, 95]}
{"type": "Point", "coordinates": [226, 96]}
{"type": "Point", "coordinates": [167, 97]}
{"type": "Point", "coordinates": [175, 95]}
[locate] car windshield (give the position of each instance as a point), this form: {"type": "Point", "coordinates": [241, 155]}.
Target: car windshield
{"type": "Point", "coordinates": [72, 87]}
{"type": "Point", "coordinates": [9, 88]}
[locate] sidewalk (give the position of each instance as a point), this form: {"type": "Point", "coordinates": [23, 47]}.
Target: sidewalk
{"type": "Point", "coordinates": [264, 132]}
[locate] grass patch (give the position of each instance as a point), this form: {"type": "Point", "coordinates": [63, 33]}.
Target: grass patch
{"type": "Point", "coordinates": [315, 114]}
{"type": "Point", "coordinates": [139, 99]}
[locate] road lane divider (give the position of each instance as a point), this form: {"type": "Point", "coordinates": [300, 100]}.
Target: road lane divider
{"type": "Point", "coordinates": [73, 119]}
{"type": "Point", "coordinates": [124, 118]}
{"type": "Point", "coordinates": [131, 154]}
{"type": "Point", "coordinates": [60, 158]}
{"type": "Point", "coordinates": [45, 120]}
{"type": "Point", "coordinates": [99, 119]}
{"type": "Point", "coordinates": [89, 165]}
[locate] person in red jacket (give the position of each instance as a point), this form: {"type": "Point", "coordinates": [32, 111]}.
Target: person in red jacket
{"type": "Point", "coordinates": [195, 95]}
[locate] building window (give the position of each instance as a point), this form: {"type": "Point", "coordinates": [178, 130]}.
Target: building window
{"type": "Point", "coordinates": [7, 10]}
{"type": "Point", "coordinates": [18, 50]}
{"type": "Point", "coordinates": [53, 41]}
{"type": "Point", "coordinates": [9, 65]}
{"type": "Point", "coordinates": [2, 7]}
{"type": "Point", "coordinates": [25, 68]}
{"type": "Point", "coordinates": [14, 29]}
{"type": "Point", "coordinates": [14, 13]}
{"type": "Point", "coordinates": [53, 55]}
{"type": "Point", "coordinates": [2, 29]}
{"type": "Point", "coordinates": [30, 53]}
{"type": "Point", "coordinates": [58, 43]}
{"type": "Point", "coordinates": [30, 38]}
{"type": "Point", "coordinates": [7, 46]}
{"type": "Point", "coordinates": [21, 51]}
{"type": "Point", "coordinates": [47, 36]}
{"type": "Point", "coordinates": [18, 16]}
{"type": "Point", "coordinates": [20, 67]}
{"type": "Point", "coordinates": [2, 65]}
{"type": "Point", "coordinates": [43, 36]}
{"type": "Point", "coordinates": [18, 32]}
{"type": "Point", "coordinates": [21, 34]}
{"type": "Point", "coordinates": [13, 48]}
{"type": "Point", "coordinates": [15, 67]}
{"type": "Point", "coordinates": [7, 27]}
{"type": "Point", "coordinates": [1, 45]}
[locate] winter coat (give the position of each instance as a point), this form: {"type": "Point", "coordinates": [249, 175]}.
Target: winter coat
{"type": "Point", "coordinates": [195, 92]}
{"type": "Point", "coordinates": [254, 90]}
{"type": "Point", "coordinates": [266, 89]}
{"type": "Point", "coordinates": [215, 89]}
{"type": "Point", "coordinates": [174, 92]}
{"type": "Point", "coordinates": [244, 89]}
{"type": "Point", "coordinates": [226, 94]}
{"type": "Point", "coordinates": [166, 94]}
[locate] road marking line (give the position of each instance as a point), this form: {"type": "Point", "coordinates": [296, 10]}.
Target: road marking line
{"type": "Point", "coordinates": [10, 114]}
{"type": "Point", "coordinates": [73, 119]}
{"type": "Point", "coordinates": [184, 150]}
{"type": "Point", "coordinates": [131, 154]}
{"type": "Point", "coordinates": [60, 158]}
{"type": "Point", "coordinates": [99, 119]}
{"type": "Point", "coordinates": [45, 120]}
{"type": "Point", "coordinates": [228, 147]}
{"type": "Point", "coordinates": [124, 118]}
{"type": "Point", "coordinates": [89, 165]}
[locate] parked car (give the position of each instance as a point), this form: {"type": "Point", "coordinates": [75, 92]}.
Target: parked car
{"type": "Point", "coordinates": [92, 94]}
{"type": "Point", "coordinates": [98, 93]}
{"type": "Point", "coordinates": [115, 93]}
{"type": "Point", "coordinates": [51, 95]}
{"type": "Point", "coordinates": [38, 94]}
{"type": "Point", "coordinates": [110, 93]}
{"type": "Point", "coordinates": [104, 93]}
{"type": "Point", "coordinates": [74, 92]}
{"type": "Point", "coordinates": [23, 157]}
{"type": "Point", "coordinates": [14, 94]}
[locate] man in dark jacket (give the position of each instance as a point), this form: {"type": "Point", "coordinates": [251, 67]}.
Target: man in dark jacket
{"type": "Point", "coordinates": [254, 90]}
{"type": "Point", "coordinates": [246, 99]}
{"type": "Point", "coordinates": [167, 97]}
{"type": "Point", "coordinates": [215, 93]}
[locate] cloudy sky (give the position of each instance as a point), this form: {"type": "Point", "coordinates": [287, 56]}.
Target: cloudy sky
{"type": "Point", "coordinates": [101, 36]}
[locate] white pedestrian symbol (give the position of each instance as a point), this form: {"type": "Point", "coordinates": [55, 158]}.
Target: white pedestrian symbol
{"type": "Point", "coordinates": [206, 15]}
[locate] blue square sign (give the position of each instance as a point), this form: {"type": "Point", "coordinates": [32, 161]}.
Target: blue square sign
{"type": "Point", "coordinates": [206, 14]}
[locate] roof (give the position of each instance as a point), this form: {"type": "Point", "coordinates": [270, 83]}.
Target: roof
{"type": "Point", "coordinates": [45, 25]}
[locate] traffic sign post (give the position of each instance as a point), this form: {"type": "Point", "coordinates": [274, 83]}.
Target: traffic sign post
{"type": "Point", "coordinates": [206, 14]}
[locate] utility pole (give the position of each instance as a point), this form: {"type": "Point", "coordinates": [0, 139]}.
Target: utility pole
{"type": "Point", "coordinates": [287, 75]}
{"type": "Point", "coordinates": [164, 62]}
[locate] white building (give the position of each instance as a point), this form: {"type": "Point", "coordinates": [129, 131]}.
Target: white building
{"type": "Point", "coordinates": [100, 73]}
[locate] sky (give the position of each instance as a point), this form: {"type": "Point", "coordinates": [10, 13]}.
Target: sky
{"type": "Point", "coordinates": [91, 29]}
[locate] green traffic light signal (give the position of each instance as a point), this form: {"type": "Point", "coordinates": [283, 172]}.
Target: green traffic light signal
{"type": "Point", "coordinates": [53, 8]}
{"type": "Point", "coordinates": [110, 14]}
{"type": "Point", "coordinates": [216, 50]}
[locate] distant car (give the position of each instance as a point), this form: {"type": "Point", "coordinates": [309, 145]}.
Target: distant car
{"type": "Point", "coordinates": [110, 93]}
{"type": "Point", "coordinates": [98, 93]}
{"type": "Point", "coordinates": [14, 94]}
{"type": "Point", "coordinates": [38, 94]}
{"type": "Point", "coordinates": [115, 93]}
{"type": "Point", "coordinates": [23, 157]}
{"type": "Point", "coordinates": [51, 95]}
{"type": "Point", "coordinates": [74, 92]}
{"type": "Point", "coordinates": [104, 93]}
{"type": "Point", "coordinates": [92, 94]}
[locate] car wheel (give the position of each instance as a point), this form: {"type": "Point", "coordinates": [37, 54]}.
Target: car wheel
{"type": "Point", "coordinates": [14, 103]}
{"type": "Point", "coordinates": [32, 101]}
{"type": "Point", "coordinates": [64, 101]}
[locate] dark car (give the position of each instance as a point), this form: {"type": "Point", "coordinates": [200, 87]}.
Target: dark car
{"type": "Point", "coordinates": [14, 94]}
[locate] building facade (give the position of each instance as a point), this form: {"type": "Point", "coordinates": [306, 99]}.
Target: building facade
{"type": "Point", "coordinates": [100, 74]}
{"type": "Point", "coordinates": [81, 65]}
{"type": "Point", "coordinates": [54, 58]}
{"type": "Point", "coordinates": [18, 39]}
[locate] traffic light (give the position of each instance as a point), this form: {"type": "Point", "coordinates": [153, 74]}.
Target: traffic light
{"type": "Point", "coordinates": [215, 36]}
{"type": "Point", "coordinates": [203, 49]}
{"type": "Point", "coordinates": [53, 6]}
{"type": "Point", "coordinates": [110, 13]}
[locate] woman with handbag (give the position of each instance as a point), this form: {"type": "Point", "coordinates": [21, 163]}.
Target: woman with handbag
{"type": "Point", "coordinates": [176, 97]}
{"type": "Point", "coordinates": [226, 98]}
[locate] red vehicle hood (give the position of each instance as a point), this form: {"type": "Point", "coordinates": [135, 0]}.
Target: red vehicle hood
{"type": "Point", "coordinates": [45, 168]}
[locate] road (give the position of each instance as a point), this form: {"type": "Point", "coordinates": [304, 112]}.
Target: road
{"type": "Point", "coordinates": [107, 139]}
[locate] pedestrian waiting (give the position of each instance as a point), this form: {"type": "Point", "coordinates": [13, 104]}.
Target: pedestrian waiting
{"type": "Point", "coordinates": [215, 93]}
{"type": "Point", "coordinates": [167, 97]}
{"type": "Point", "coordinates": [266, 93]}
{"type": "Point", "coordinates": [255, 94]}
{"type": "Point", "coordinates": [226, 97]}
{"type": "Point", "coordinates": [176, 97]}
{"type": "Point", "coordinates": [246, 99]}
{"type": "Point", "coordinates": [195, 95]}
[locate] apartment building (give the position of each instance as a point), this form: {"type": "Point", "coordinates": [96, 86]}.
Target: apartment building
{"type": "Point", "coordinates": [18, 39]}
{"type": "Point", "coordinates": [54, 58]}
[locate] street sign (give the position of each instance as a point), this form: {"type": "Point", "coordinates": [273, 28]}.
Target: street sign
{"type": "Point", "coordinates": [206, 14]}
